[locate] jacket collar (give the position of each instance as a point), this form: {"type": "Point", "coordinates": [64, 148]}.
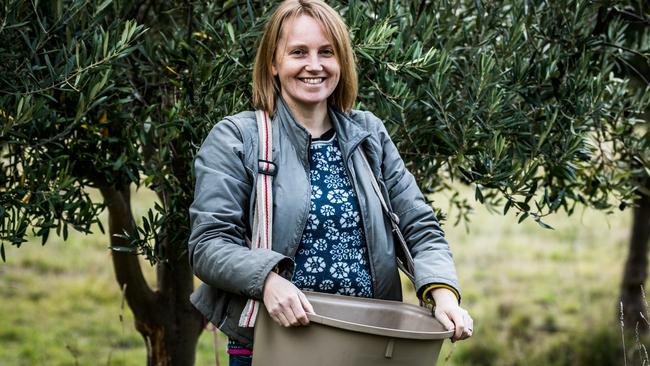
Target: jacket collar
{"type": "Point", "coordinates": [348, 132]}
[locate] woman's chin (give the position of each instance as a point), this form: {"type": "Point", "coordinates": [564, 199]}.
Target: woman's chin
{"type": "Point", "coordinates": [310, 102]}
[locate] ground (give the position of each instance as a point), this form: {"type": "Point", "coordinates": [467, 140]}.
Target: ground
{"type": "Point", "coordinates": [538, 296]}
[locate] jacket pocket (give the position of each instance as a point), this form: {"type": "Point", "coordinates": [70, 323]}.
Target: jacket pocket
{"type": "Point", "coordinates": [211, 302]}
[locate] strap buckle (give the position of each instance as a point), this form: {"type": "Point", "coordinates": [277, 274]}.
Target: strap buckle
{"type": "Point", "coordinates": [267, 167]}
{"type": "Point", "coordinates": [394, 217]}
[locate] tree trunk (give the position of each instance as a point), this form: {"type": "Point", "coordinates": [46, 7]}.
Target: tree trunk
{"type": "Point", "coordinates": [636, 267]}
{"type": "Point", "coordinates": [166, 319]}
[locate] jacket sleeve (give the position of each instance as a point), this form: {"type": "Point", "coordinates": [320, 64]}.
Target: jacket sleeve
{"type": "Point", "coordinates": [432, 257]}
{"type": "Point", "coordinates": [218, 252]}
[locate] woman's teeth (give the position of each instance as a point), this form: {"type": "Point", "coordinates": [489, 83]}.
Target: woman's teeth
{"type": "Point", "coordinates": [312, 80]}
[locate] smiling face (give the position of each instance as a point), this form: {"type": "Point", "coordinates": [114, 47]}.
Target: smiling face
{"type": "Point", "coordinates": [305, 64]}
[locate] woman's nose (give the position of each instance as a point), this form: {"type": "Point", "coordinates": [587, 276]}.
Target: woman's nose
{"type": "Point", "coordinates": [314, 63]}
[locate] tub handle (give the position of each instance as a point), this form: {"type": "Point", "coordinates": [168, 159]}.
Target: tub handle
{"type": "Point", "coordinates": [389, 348]}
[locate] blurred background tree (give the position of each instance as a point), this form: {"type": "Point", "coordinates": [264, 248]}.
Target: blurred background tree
{"type": "Point", "coordinates": [539, 105]}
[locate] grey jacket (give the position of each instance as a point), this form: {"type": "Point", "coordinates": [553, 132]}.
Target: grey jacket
{"type": "Point", "coordinates": [221, 214]}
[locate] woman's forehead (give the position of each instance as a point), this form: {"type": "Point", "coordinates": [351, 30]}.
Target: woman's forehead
{"type": "Point", "coordinates": [304, 29]}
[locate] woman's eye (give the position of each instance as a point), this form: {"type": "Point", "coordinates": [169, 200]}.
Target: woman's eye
{"type": "Point", "coordinates": [298, 52]}
{"type": "Point", "coordinates": [327, 52]}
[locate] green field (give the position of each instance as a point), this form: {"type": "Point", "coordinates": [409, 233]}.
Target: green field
{"type": "Point", "coordinates": [539, 297]}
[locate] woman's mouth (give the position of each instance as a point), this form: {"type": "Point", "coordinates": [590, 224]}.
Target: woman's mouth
{"type": "Point", "coordinates": [312, 81]}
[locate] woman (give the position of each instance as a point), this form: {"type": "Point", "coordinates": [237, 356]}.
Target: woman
{"type": "Point", "coordinates": [329, 231]}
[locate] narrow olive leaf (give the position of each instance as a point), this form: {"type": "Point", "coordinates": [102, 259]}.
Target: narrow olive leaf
{"type": "Point", "coordinates": [20, 106]}
{"type": "Point", "coordinates": [76, 55]}
{"type": "Point", "coordinates": [507, 206]}
{"type": "Point", "coordinates": [101, 226]}
{"type": "Point", "coordinates": [478, 195]}
{"type": "Point", "coordinates": [151, 216]}
{"type": "Point", "coordinates": [106, 37]}
{"type": "Point", "coordinates": [45, 235]}
{"type": "Point", "coordinates": [543, 224]}
{"type": "Point", "coordinates": [2, 252]}
{"type": "Point", "coordinates": [231, 32]}
{"type": "Point", "coordinates": [523, 217]}
{"type": "Point", "coordinates": [49, 65]}
{"type": "Point", "coordinates": [102, 6]}
{"type": "Point", "coordinates": [94, 90]}
{"type": "Point", "coordinates": [122, 249]}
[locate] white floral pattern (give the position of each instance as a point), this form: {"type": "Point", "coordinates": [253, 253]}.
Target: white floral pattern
{"type": "Point", "coordinates": [312, 222]}
{"type": "Point", "coordinates": [349, 219]}
{"type": "Point", "coordinates": [332, 256]}
{"type": "Point", "coordinates": [326, 210]}
{"type": "Point", "coordinates": [320, 245]}
{"type": "Point", "coordinates": [316, 192]}
{"type": "Point", "coordinates": [338, 196]}
{"type": "Point", "coordinates": [315, 264]}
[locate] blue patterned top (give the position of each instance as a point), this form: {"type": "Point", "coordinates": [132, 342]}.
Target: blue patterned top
{"type": "Point", "coordinates": [332, 256]}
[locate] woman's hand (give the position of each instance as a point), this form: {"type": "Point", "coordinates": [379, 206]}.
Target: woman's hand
{"type": "Point", "coordinates": [286, 304]}
{"type": "Point", "coordinates": [452, 316]}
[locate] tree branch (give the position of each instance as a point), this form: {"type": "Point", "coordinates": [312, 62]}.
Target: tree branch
{"type": "Point", "coordinates": [128, 273]}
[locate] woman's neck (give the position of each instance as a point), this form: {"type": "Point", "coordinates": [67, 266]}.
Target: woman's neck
{"type": "Point", "coordinates": [315, 120]}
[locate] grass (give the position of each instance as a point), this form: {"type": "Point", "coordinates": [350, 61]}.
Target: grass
{"type": "Point", "coordinates": [538, 297]}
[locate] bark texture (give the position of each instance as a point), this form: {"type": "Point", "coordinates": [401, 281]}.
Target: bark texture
{"type": "Point", "coordinates": [165, 317]}
{"type": "Point", "coordinates": [636, 268]}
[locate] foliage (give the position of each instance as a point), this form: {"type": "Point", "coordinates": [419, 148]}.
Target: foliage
{"type": "Point", "coordinates": [520, 100]}
{"type": "Point", "coordinates": [57, 70]}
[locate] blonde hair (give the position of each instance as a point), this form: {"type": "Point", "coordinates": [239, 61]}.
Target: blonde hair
{"type": "Point", "coordinates": [266, 86]}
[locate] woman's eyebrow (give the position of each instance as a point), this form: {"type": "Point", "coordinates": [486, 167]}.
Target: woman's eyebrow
{"type": "Point", "coordinates": [302, 44]}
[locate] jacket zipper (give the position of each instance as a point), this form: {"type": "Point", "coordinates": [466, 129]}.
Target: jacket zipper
{"type": "Point", "coordinates": [305, 161]}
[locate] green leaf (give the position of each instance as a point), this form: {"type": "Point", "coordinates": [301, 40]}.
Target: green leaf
{"type": "Point", "coordinates": [45, 234]}
{"type": "Point", "coordinates": [118, 163]}
{"type": "Point", "coordinates": [76, 53]}
{"type": "Point", "coordinates": [106, 36]}
{"type": "Point", "coordinates": [20, 106]}
{"type": "Point", "coordinates": [478, 195]}
{"type": "Point", "coordinates": [102, 6]}
{"type": "Point", "coordinates": [101, 226]}
{"type": "Point", "coordinates": [122, 249]}
{"type": "Point", "coordinates": [523, 217]}
{"type": "Point", "coordinates": [544, 225]}
{"type": "Point", "coordinates": [49, 66]}
{"type": "Point", "coordinates": [231, 32]}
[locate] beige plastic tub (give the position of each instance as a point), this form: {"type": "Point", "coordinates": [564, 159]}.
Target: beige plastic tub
{"type": "Point", "coordinates": [351, 331]}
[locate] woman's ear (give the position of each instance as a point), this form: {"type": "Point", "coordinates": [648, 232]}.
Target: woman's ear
{"type": "Point", "coordinates": [273, 69]}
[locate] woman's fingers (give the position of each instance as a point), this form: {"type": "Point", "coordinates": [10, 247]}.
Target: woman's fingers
{"type": "Point", "coordinates": [444, 319]}
{"type": "Point", "coordinates": [466, 325]}
{"type": "Point", "coordinates": [305, 303]}
{"type": "Point", "coordinates": [285, 302]}
{"type": "Point", "coordinates": [458, 320]}
{"type": "Point", "coordinates": [469, 329]}
{"type": "Point", "coordinates": [282, 320]}
{"type": "Point", "coordinates": [299, 312]}
{"type": "Point", "coordinates": [459, 323]}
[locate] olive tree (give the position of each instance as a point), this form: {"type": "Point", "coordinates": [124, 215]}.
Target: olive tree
{"type": "Point", "coordinates": [527, 101]}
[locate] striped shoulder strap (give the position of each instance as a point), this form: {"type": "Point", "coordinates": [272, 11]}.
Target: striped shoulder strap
{"type": "Point", "coordinates": [263, 216]}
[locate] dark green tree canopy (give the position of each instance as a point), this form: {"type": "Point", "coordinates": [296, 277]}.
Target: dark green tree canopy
{"type": "Point", "coordinates": [521, 99]}
{"type": "Point", "coordinates": [540, 105]}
